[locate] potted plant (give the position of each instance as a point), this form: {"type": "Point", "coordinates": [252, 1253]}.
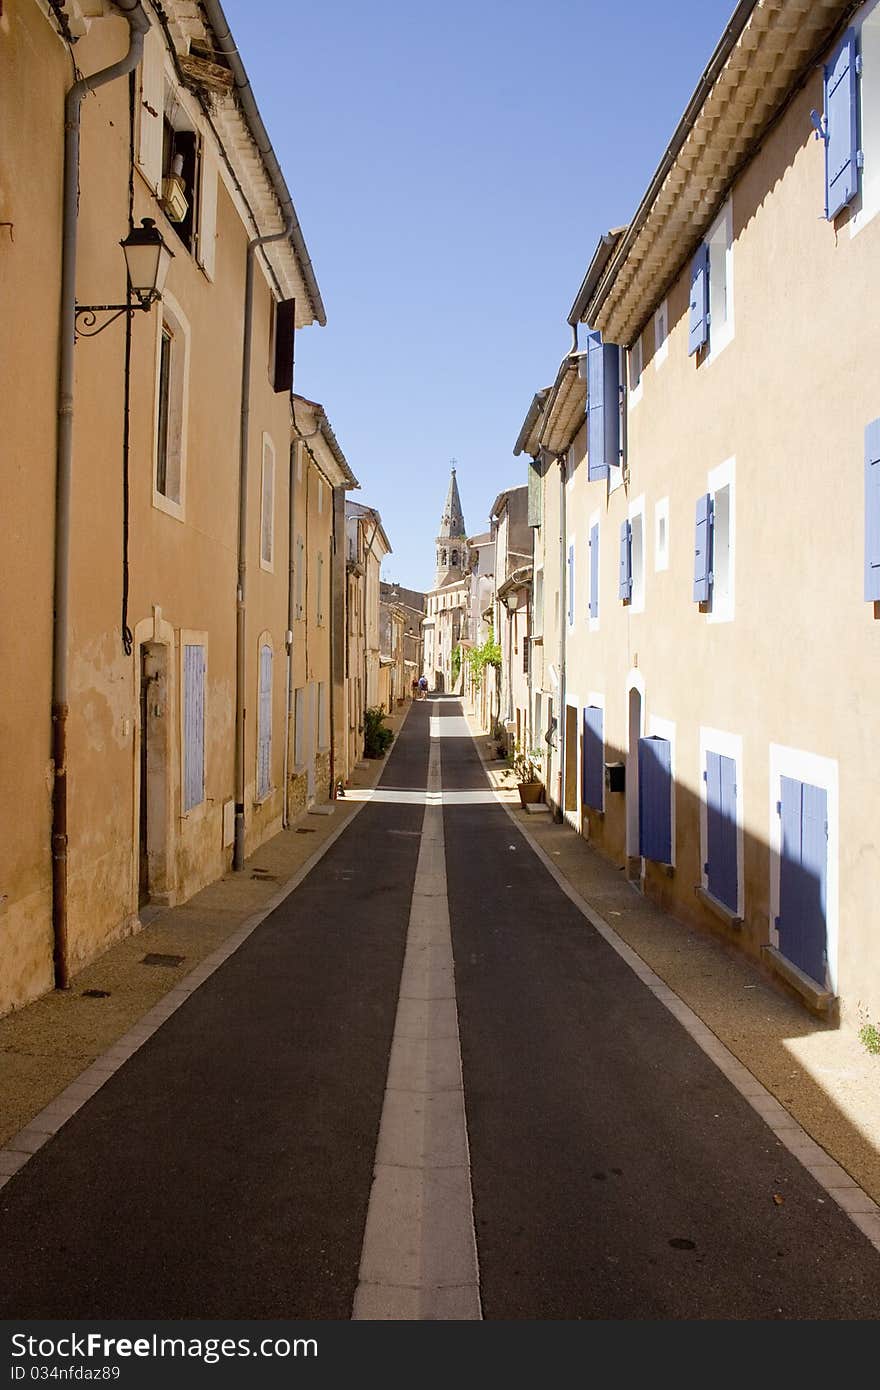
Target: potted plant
{"type": "Point", "coordinates": [526, 764]}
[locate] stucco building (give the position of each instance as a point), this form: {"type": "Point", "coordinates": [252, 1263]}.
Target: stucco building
{"type": "Point", "coordinates": [447, 604]}
{"type": "Point", "coordinates": [366, 546]}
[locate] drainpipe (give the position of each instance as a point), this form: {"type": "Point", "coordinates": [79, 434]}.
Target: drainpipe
{"type": "Point", "coordinates": [563, 623]}
{"type": "Point", "coordinates": [138, 24]}
{"type": "Point", "coordinates": [241, 595]}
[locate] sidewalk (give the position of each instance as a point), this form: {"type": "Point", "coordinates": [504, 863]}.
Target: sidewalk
{"type": "Point", "coordinates": [49, 1043]}
{"type": "Point", "coordinates": [823, 1075]}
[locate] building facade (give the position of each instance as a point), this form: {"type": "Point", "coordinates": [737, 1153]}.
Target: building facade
{"type": "Point", "coordinates": [366, 546]}
{"type": "Point", "coordinates": [447, 603]}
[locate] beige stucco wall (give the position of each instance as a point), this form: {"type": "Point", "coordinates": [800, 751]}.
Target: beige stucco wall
{"type": "Point", "coordinates": [788, 399]}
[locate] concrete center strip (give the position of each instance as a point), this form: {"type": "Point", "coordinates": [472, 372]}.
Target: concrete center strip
{"type": "Point", "coordinates": [419, 1258]}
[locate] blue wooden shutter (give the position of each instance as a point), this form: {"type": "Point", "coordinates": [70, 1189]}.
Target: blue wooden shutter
{"type": "Point", "coordinates": [603, 407]}
{"type": "Point", "coordinates": [698, 327]}
{"type": "Point", "coordinates": [264, 735]}
{"type": "Point", "coordinates": [841, 127]}
{"type": "Point", "coordinates": [655, 799]}
{"type": "Point", "coordinates": [193, 726]}
{"type": "Point", "coordinates": [570, 585]}
{"type": "Point", "coordinates": [803, 874]}
{"type": "Point", "coordinates": [703, 550]}
{"type": "Point", "coordinates": [593, 757]}
{"type": "Point", "coordinates": [624, 587]}
{"type": "Point", "coordinates": [594, 571]}
{"type": "Point", "coordinates": [721, 829]}
{"type": "Point", "coordinates": [872, 510]}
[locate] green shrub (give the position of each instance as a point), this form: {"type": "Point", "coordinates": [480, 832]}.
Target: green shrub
{"type": "Point", "coordinates": [376, 736]}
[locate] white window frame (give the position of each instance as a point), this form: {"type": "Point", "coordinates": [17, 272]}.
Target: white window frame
{"type": "Point", "coordinates": [665, 728]}
{"type": "Point", "coordinates": [661, 334]}
{"type": "Point", "coordinates": [722, 606]}
{"type": "Point", "coordinates": [819, 772]}
{"type": "Point", "coordinates": [636, 514]}
{"type": "Point", "coordinates": [720, 239]}
{"type": "Point", "coordinates": [595, 697]}
{"type": "Point", "coordinates": [593, 623]}
{"type": "Point", "coordinates": [178, 405]}
{"type": "Point", "coordinates": [661, 535]}
{"type": "Point", "coordinates": [188, 638]}
{"type": "Point", "coordinates": [267, 505]}
{"type": "Point", "coordinates": [866, 204]}
{"type": "Point", "coordinates": [727, 746]}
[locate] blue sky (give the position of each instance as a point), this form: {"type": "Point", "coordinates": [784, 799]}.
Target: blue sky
{"type": "Point", "coordinates": [453, 166]}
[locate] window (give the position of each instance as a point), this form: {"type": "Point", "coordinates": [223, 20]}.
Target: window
{"type": "Point", "coordinates": [711, 299]}
{"type": "Point", "coordinates": [804, 861]}
{"type": "Point", "coordinates": [655, 798]}
{"type": "Point", "coordinates": [661, 535]}
{"type": "Point", "coordinates": [594, 572]}
{"type": "Point", "coordinates": [635, 372]}
{"type": "Point", "coordinates": [267, 506]}
{"type": "Point", "coordinates": [319, 596]}
{"type": "Point", "coordinates": [181, 173]}
{"type": "Point", "coordinates": [264, 724]}
{"type": "Point", "coordinates": [603, 407]}
{"type": "Point", "coordinates": [193, 725]}
{"type": "Point", "coordinates": [721, 826]}
{"type": "Point", "coordinates": [661, 334]}
{"type": "Point", "coordinates": [299, 714]}
{"type": "Point", "coordinates": [593, 763]}
{"type": "Point", "coordinates": [869, 116]}
{"type": "Point", "coordinates": [172, 392]}
{"type": "Point", "coordinates": [714, 545]}
{"type": "Point", "coordinates": [637, 554]}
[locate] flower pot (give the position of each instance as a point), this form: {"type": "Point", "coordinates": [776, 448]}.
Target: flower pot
{"type": "Point", "coordinates": [529, 792]}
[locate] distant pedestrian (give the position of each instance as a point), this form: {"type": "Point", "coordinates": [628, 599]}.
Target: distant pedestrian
{"type": "Point", "coordinates": [414, 691]}
{"type": "Point", "coordinates": [423, 687]}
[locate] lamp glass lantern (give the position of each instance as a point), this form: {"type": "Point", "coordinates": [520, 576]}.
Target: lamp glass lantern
{"type": "Point", "coordinates": [511, 598]}
{"type": "Point", "coordinates": [147, 259]}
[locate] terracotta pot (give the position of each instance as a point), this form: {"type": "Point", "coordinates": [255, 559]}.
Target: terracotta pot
{"type": "Point", "coordinates": [530, 791]}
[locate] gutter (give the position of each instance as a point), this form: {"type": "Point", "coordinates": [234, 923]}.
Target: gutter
{"type": "Point", "coordinates": [138, 25]}
{"type": "Point", "coordinates": [292, 230]}
{"type": "Point", "coordinates": [601, 256]}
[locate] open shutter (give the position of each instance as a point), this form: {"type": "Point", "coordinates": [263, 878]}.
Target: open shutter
{"type": "Point", "coordinates": [803, 874]}
{"type": "Point", "coordinates": [264, 746]}
{"type": "Point", "coordinates": [193, 726]}
{"type": "Point", "coordinates": [282, 366]}
{"type": "Point", "coordinates": [703, 550]}
{"type": "Point", "coordinates": [593, 757]}
{"type": "Point", "coordinates": [624, 587]}
{"type": "Point", "coordinates": [841, 127]}
{"type": "Point", "coordinates": [594, 571]}
{"type": "Point", "coordinates": [698, 325]}
{"type": "Point", "coordinates": [535, 492]}
{"type": "Point", "coordinates": [603, 413]}
{"type": "Point", "coordinates": [207, 241]}
{"type": "Point", "coordinates": [570, 585]}
{"type": "Point", "coordinates": [872, 510]}
{"type": "Point", "coordinates": [152, 108]}
{"type": "Point", "coordinates": [655, 799]}
{"type": "Point", "coordinates": [721, 829]}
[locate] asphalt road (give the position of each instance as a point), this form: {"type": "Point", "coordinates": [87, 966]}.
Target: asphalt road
{"type": "Point", "coordinates": [225, 1170]}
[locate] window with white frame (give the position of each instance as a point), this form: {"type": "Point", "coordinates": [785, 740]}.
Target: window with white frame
{"type": "Point", "coordinates": [661, 334]}
{"type": "Point", "coordinates": [267, 506]}
{"type": "Point", "coordinates": [720, 243]}
{"type": "Point", "coordinates": [637, 554]}
{"type": "Point", "coordinates": [722, 491]}
{"type": "Point", "coordinates": [171, 404]}
{"type": "Point", "coordinates": [867, 95]}
{"type": "Point", "coordinates": [661, 534]}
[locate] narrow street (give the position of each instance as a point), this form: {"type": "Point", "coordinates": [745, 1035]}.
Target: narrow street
{"type": "Point", "coordinates": [226, 1169]}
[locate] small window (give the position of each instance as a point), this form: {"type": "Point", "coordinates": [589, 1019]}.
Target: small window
{"type": "Point", "coordinates": [164, 406]}
{"type": "Point", "coordinates": [169, 447]}
{"type": "Point", "coordinates": [661, 334]}
{"type": "Point", "coordinates": [721, 552]}
{"type": "Point", "coordinates": [661, 535]}
{"type": "Point", "coordinates": [181, 174]}
{"type": "Point", "coordinates": [267, 512]}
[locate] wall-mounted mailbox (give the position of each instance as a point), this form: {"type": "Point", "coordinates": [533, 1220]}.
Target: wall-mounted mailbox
{"type": "Point", "coordinates": [615, 777]}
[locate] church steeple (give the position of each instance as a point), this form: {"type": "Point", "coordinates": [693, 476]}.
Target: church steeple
{"type": "Point", "coordinates": [452, 540]}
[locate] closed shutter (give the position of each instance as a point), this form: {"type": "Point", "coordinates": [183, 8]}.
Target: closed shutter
{"type": "Point", "coordinates": [624, 587]}
{"type": "Point", "coordinates": [603, 407]}
{"type": "Point", "coordinates": [536, 483]}
{"type": "Point", "coordinates": [152, 108]}
{"type": "Point", "coordinates": [698, 324]}
{"type": "Point", "coordinates": [594, 757]}
{"type": "Point", "coordinates": [594, 571]}
{"type": "Point", "coordinates": [526, 652]}
{"type": "Point", "coordinates": [803, 874]}
{"type": "Point", "coordinates": [193, 726]}
{"type": "Point", "coordinates": [207, 242]}
{"type": "Point", "coordinates": [300, 576]}
{"type": "Point", "coordinates": [570, 585]}
{"type": "Point", "coordinates": [872, 510]}
{"type": "Point", "coordinates": [264, 724]}
{"type": "Point", "coordinates": [841, 127]}
{"type": "Point", "coordinates": [703, 550]}
{"type": "Point", "coordinates": [720, 777]}
{"type": "Point", "coordinates": [655, 799]}
{"type": "Point", "coordinates": [319, 584]}
{"type": "Point", "coordinates": [282, 366]}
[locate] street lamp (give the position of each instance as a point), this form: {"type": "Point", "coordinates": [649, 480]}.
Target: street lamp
{"type": "Point", "coordinates": [511, 598]}
{"type": "Point", "coordinates": [147, 260]}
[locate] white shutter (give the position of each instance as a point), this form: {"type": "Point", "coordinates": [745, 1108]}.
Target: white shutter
{"type": "Point", "coordinates": [151, 109]}
{"type": "Point", "coordinates": [193, 726]}
{"type": "Point", "coordinates": [208, 211]}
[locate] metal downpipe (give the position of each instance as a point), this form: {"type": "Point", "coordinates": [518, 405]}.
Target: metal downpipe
{"type": "Point", "coordinates": [138, 25]}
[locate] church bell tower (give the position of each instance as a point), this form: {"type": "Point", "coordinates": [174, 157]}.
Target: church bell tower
{"type": "Point", "coordinates": [452, 541]}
